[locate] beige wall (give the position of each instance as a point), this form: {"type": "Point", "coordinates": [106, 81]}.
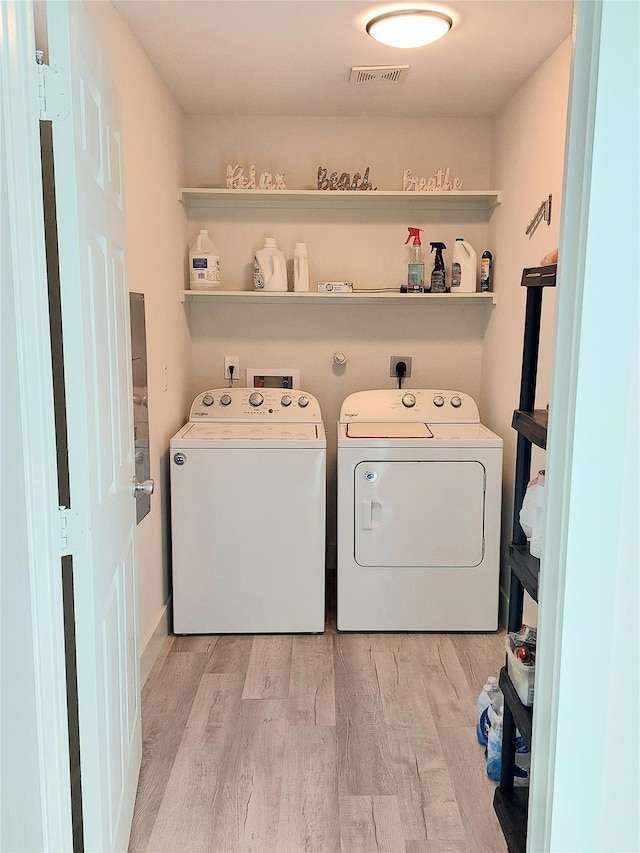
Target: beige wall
{"type": "Point", "coordinates": [527, 165]}
{"type": "Point", "coordinates": [444, 340]}
{"type": "Point", "coordinates": [152, 172]}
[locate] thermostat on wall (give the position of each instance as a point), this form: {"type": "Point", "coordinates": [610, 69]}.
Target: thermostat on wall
{"type": "Point", "coordinates": [273, 377]}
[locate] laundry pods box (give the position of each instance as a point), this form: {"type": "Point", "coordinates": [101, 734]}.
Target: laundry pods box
{"type": "Point", "coordinates": [522, 676]}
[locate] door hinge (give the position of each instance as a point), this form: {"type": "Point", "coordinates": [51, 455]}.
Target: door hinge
{"type": "Point", "coordinates": [68, 531]}
{"type": "Point", "coordinates": [53, 92]}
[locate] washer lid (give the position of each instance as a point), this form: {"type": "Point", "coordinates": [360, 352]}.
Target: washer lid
{"type": "Point", "coordinates": [360, 429]}
{"type": "Point", "coordinates": [255, 431]}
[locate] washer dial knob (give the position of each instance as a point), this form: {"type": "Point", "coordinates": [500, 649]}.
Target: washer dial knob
{"type": "Point", "coordinates": [286, 400]}
{"type": "Point", "coordinates": [303, 401]}
{"type": "Point", "coordinates": [256, 399]}
{"type": "Point", "coordinates": [438, 401]}
{"type": "Point", "coordinates": [225, 399]}
{"type": "Point", "coordinates": [207, 400]}
{"type": "Point", "coordinates": [408, 401]}
{"type": "Point", "coordinates": [456, 402]}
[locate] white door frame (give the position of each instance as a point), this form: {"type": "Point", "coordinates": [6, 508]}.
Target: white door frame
{"type": "Point", "coordinates": [34, 423]}
{"type": "Point", "coordinates": [584, 783]}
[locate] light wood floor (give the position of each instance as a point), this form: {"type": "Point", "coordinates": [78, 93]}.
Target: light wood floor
{"type": "Point", "coordinates": [333, 743]}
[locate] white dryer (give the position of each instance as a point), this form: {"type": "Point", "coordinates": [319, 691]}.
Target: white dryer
{"type": "Point", "coordinates": [248, 513]}
{"type": "Point", "coordinates": [419, 496]}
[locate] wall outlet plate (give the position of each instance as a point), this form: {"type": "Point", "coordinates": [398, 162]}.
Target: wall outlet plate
{"type": "Point", "coordinates": [394, 361]}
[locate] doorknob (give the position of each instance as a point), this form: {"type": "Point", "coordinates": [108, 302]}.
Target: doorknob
{"type": "Point", "coordinates": [146, 487]}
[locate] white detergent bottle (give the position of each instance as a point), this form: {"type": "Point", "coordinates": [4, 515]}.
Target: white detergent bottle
{"type": "Point", "coordinates": [270, 268]}
{"type": "Point", "coordinates": [204, 264]}
{"type": "Point", "coordinates": [463, 269]}
{"type": "Point", "coordinates": [301, 268]}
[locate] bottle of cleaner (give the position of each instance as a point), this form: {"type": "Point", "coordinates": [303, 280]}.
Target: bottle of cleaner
{"type": "Point", "coordinates": [486, 272]}
{"type": "Point", "coordinates": [415, 272]}
{"type": "Point", "coordinates": [438, 276]}
{"type": "Point", "coordinates": [300, 268]}
{"type": "Point", "coordinates": [270, 268]}
{"type": "Point", "coordinates": [463, 269]}
{"type": "Point", "coordinates": [204, 263]}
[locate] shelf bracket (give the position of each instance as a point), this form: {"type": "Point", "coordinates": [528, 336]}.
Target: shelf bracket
{"type": "Point", "coordinates": [543, 212]}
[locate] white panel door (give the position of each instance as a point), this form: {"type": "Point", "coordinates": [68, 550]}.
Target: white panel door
{"type": "Point", "coordinates": [419, 514]}
{"type": "Point", "coordinates": [95, 315]}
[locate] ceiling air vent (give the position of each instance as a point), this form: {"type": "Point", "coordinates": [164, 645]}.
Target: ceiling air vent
{"type": "Point", "coordinates": [372, 73]}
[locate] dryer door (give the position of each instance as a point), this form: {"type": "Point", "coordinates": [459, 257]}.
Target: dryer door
{"type": "Point", "coordinates": [427, 514]}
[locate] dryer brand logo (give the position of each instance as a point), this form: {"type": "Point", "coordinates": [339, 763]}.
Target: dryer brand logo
{"type": "Point", "coordinates": [351, 414]}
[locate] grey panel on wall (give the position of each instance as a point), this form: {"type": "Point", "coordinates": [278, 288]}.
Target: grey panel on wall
{"type": "Point", "coordinates": [140, 408]}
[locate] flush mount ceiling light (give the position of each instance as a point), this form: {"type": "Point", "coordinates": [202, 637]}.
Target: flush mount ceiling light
{"type": "Point", "coordinates": [409, 27]}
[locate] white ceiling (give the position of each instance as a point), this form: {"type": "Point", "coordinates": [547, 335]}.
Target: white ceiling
{"type": "Point", "coordinates": [293, 57]}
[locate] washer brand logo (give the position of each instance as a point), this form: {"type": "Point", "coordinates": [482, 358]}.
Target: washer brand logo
{"type": "Point", "coordinates": [351, 414]}
{"type": "Point", "coordinates": [200, 414]}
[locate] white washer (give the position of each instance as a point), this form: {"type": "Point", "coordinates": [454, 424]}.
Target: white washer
{"type": "Point", "coordinates": [248, 513]}
{"type": "Point", "coordinates": [419, 495]}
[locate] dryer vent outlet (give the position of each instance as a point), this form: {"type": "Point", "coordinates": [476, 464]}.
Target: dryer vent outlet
{"type": "Point", "coordinates": [394, 363]}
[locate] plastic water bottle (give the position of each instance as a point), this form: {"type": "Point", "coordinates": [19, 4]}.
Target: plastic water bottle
{"type": "Point", "coordinates": [204, 263]}
{"type": "Point", "coordinates": [484, 700]}
{"type": "Point", "coordinates": [494, 755]}
{"type": "Point", "coordinates": [494, 749]}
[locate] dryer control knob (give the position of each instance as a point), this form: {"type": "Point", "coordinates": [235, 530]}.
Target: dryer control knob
{"type": "Point", "coordinates": [456, 402]}
{"type": "Point", "coordinates": [408, 401]}
{"type": "Point", "coordinates": [225, 399]}
{"type": "Point", "coordinates": [286, 400]}
{"type": "Point", "coordinates": [438, 401]}
{"type": "Point", "coordinates": [303, 401]}
{"type": "Point", "coordinates": [256, 399]}
{"type": "Point", "coordinates": [207, 400]}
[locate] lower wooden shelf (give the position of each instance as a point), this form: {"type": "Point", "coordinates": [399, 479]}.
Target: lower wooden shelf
{"type": "Point", "coordinates": [511, 809]}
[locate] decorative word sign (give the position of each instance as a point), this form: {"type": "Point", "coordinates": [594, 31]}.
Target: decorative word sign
{"type": "Point", "coordinates": [437, 183]}
{"type": "Point", "coordinates": [345, 181]}
{"type": "Point", "coordinates": [237, 180]}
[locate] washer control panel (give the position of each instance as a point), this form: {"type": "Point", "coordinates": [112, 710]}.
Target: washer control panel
{"type": "Point", "coordinates": [249, 404]}
{"type": "Point", "coordinates": [423, 405]}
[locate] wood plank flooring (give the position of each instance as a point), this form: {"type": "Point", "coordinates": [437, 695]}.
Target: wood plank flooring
{"type": "Point", "coordinates": [332, 743]}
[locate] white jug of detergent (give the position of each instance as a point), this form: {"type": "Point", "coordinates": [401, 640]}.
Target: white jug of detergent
{"type": "Point", "coordinates": [464, 267]}
{"type": "Point", "coordinates": [301, 268]}
{"type": "Point", "coordinates": [269, 268]}
{"type": "Point", "coordinates": [204, 263]}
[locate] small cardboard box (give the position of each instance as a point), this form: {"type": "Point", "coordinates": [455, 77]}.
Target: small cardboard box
{"type": "Point", "coordinates": [521, 676]}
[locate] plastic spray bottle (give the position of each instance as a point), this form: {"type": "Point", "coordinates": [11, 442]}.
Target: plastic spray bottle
{"type": "Point", "coordinates": [438, 276]}
{"type": "Point", "coordinates": [415, 271]}
{"type": "Point", "coordinates": [486, 272]}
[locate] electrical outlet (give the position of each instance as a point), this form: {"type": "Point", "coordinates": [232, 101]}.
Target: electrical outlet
{"type": "Point", "coordinates": [231, 361]}
{"type": "Point", "coordinates": [394, 361]}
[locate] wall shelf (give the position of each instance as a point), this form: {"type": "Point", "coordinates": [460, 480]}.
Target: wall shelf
{"type": "Point", "coordinates": [289, 297]}
{"type": "Point", "coordinates": [345, 200]}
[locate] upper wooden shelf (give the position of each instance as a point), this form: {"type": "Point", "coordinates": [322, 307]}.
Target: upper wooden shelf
{"type": "Point", "coordinates": [358, 298]}
{"type": "Point", "coordinates": [343, 200]}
